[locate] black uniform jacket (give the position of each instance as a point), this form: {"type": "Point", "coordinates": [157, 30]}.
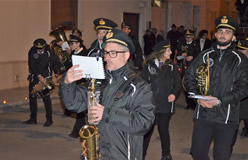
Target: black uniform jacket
{"type": "Point", "coordinates": [164, 81]}
{"type": "Point", "coordinates": [228, 82]}
{"type": "Point", "coordinates": [42, 64]}
{"type": "Point", "coordinates": [95, 49]}
{"type": "Point", "coordinates": [125, 119]}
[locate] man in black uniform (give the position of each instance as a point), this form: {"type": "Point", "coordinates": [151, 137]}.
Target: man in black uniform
{"type": "Point", "coordinates": [102, 25]}
{"type": "Point", "coordinates": [217, 114]}
{"type": "Point", "coordinates": [42, 62]}
{"type": "Point", "coordinates": [189, 49]}
{"type": "Point", "coordinates": [137, 56]}
{"type": "Point", "coordinates": [125, 111]}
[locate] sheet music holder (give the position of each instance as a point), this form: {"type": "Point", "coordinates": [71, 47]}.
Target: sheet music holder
{"type": "Point", "coordinates": [92, 67]}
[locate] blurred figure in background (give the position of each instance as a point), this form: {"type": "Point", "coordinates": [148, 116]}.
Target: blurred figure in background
{"type": "Point", "coordinates": [137, 56]}
{"type": "Point", "coordinates": [203, 40]}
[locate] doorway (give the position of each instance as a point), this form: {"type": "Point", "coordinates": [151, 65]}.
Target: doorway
{"type": "Point", "coordinates": [132, 19]}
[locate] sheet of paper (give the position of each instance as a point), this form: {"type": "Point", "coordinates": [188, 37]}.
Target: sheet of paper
{"type": "Point", "coordinates": [92, 67]}
{"type": "Point", "coordinates": [180, 57]}
{"type": "Point", "coordinates": [201, 97]}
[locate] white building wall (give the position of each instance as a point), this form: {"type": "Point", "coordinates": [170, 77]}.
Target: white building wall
{"type": "Point", "coordinates": [23, 21]}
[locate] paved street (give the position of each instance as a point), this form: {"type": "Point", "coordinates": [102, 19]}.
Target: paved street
{"type": "Point", "coordinates": [28, 142]}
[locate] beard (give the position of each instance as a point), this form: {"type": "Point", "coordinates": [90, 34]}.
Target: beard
{"type": "Point", "coordinates": [224, 43]}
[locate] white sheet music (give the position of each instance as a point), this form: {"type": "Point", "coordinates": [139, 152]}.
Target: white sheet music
{"type": "Point", "coordinates": [92, 68]}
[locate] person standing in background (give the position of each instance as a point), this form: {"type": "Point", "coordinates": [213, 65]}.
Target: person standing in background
{"type": "Point", "coordinates": [137, 56]}
{"type": "Point", "coordinates": [173, 35]}
{"type": "Point", "coordinates": [203, 40]}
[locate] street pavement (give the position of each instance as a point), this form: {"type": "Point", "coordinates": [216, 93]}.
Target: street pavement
{"type": "Point", "coordinates": [28, 142]}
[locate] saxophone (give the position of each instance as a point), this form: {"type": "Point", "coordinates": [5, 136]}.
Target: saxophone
{"type": "Point", "coordinates": [89, 133]}
{"type": "Point", "coordinates": [203, 77]}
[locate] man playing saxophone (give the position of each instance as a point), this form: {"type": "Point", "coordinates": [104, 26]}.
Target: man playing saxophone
{"type": "Point", "coordinates": [125, 112]}
{"type": "Point", "coordinates": [217, 116]}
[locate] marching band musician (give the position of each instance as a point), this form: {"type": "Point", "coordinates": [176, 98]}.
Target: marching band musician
{"type": "Point", "coordinates": [125, 112]}
{"type": "Point", "coordinates": [188, 48]}
{"type": "Point", "coordinates": [42, 62]}
{"type": "Point", "coordinates": [217, 117]}
{"type": "Point", "coordinates": [77, 48]}
{"type": "Point", "coordinates": [165, 81]}
{"type": "Point", "coordinates": [102, 25]}
{"type": "Point", "coordinates": [76, 45]}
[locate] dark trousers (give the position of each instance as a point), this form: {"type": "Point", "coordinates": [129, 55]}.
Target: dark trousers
{"type": "Point", "coordinates": [80, 121]}
{"type": "Point", "coordinates": [203, 134]}
{"type": "Point", "coordinates": [163, 121]}
{"type": "Point", "coordinates": [33, 104]}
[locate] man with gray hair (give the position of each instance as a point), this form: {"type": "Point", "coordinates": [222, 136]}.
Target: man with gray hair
{"type": "Point", "coordinates": [125, 111]}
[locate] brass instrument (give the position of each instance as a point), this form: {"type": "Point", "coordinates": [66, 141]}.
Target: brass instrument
{"type": "Point", "coordinates": [185, 61]}
{"type": "Point", "coordinates": [59, 34]}
{"type": "Point", "coordinates": [43, 89]}
{"type": "Point", "coordinates": [89, 133]}
{"type": "Point", "coordinates": [203, 77]}
{"type": "Point", "coordinates": [64, 57]}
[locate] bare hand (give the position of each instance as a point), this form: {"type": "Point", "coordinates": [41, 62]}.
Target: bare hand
{"type": "Point", "coordinates": [73, 74]}
{"type": "Point", "coordinates": [60, 43]}
{"type": "Point", "coordinates": [184, 54]}
{"type": "Point", "coordinates": [208, 104]}
{"type": "Point", "coordinates": [96, 112]}
{"type": "Point", "coordinates": [58, 77]}
{"type": "Point", "coordinates": [189, 58]}
{"type": "Point", "coordinates": [171, 98]}
{"type": "Point", "coordinates": [41, 78]}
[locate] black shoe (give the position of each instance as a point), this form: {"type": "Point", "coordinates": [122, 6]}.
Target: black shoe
{"type": "Point", "coordinates": [73, 135]}
{"type": "Point", "coordinates": [166, 157]}
{"type": "Point", "coordinates": [30, 121]}
{"type": "Point", "coordinates": [187, 107]}
{"type": "Point", "coordinates": [244, 134]}
{"type": "Point", "coordinates": [48, 123]}
{"type": "Point", "coordinates": [66, 114]}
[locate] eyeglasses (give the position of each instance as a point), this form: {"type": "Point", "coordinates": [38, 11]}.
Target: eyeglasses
{"type": "Point", "coordinates": [112, 54]}
{"type": "Point", "coordinates": [71, 43]}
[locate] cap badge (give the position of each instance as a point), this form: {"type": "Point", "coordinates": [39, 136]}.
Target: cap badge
{"type": "Point", "coordinates": [224, 20]}
{"type": "Point", "coordinates": [102, 22]}
{"type": "Point", "coordinates": [187, 32]}
{"type": "Point", "coordinates": [39, 45]}
{"type": "Point", "coordinates": [239, 43]}
{"type": "Point", "coordinates": [109, 35]}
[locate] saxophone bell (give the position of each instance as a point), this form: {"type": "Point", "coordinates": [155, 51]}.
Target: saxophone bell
{"type": "Point", "coordinates": [89, 133]}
